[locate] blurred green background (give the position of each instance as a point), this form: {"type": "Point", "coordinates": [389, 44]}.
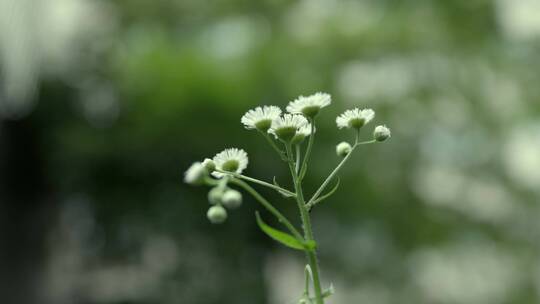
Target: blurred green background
{"type": "Point", "coordinates": [104, 104]}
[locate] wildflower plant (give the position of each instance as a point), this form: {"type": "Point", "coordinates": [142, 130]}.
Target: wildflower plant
{"type": "Point", "coordinates": [287, 134]}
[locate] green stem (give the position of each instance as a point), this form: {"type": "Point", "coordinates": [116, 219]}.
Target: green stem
{"type": "Point", "coordinates": [303, 169]}
{"type": "Point", "coordinates": [273, 144]}
{"type": "Point", "coordinates": [260, 182]}
{"type": "Point", "coordinates": [306, 224]}
{"type": "Point", "coordinates": [334, 172]}
{"type": "Point", "coordinates": [308, 275]}
{"type": "Point", "coordinates": [281, 218]}
{"type": "Point", "coordinates": [297, 163]}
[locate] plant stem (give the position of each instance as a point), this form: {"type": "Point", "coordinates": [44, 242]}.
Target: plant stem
{"type": "Point", "coordinates": [303, 169]}
{"type": "Point", "coordinates": [297, 163]}
{"type": "Point", "coordinates": [260, 182]}
{"type": "Point", "coordinates": [335, 171]}
{"type": "Point", "coordinates": [273, 144]}
{"type": "Point", "coordinates": [306, 224]}
{"type": "Point", "coordinates": [269, 207]}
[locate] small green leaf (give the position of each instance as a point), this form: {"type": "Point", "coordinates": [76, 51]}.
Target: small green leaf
{"type": "Point", "coordinates": [282, 237]}
{"type": "Point", "coordinates": [329, 291]}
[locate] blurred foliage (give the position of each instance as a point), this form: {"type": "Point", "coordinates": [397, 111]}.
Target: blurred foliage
{"type": "Point", "coordinates": [445, 212]}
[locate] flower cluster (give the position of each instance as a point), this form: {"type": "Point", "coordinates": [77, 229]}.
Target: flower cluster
{"type": "Point", "coordinates": [290, 128]}
{"type": "Point", "coordinates": [285, 132]}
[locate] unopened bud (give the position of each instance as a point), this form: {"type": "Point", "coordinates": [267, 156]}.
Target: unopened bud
{"type": "Point", "coordinates": [195, 174]}
{"type": "Point", "coordinates": [215, 195]}
{"type": "Point", "coordinates": [209, 164]}
{"type": "Point", "coordinates": [381, 133]}
{"type": "Point", "coordinates": [232, 199]}
{"type": "Point", "coordinates": [216, 214]}
{"type": "Point", "coordinates": [343, 148]}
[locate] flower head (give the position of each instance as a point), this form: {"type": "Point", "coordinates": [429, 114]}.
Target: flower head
{"type": "Point", "coordinates": [195, 174]}
{"type": "Point", "coordinates": [355, 118]}
{"type": "Point", "coordinates": [310, 105]}
{"type": "Point", "coordinates": [301, 134]}
{"type": "Point", "coordinates": [381, 133]}
{"type": "Point", "coordinates": [231, 160]}
{"type": "Point", "coordinates": [286, 126]}
{"type": "Point", "coordinates": [260, 118]}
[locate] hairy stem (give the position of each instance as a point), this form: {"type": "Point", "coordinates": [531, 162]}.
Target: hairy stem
{"type": "Point", "coordinates": [306, 224]}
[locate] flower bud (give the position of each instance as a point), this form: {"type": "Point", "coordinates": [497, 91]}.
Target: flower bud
{"type": "Point", "coordinates": [209, 164]}
{"type": "Point", "coordinates": [343, 148]}
{"type": "Point", "coordinates": [195, 174]}
{"type": "Point", "coordinates": [232, 199]}
{"type": "Point", "coordinates": [216, 214]}
{"type": "Point", "coordinates": [381, 133]}
{"type": "Point", "coordinates": [215, 195]}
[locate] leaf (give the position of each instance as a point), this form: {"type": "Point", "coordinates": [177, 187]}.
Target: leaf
{"type": "Point", "coordinates": [328, 292]}
{"type": "Point", "coordinates": [281, 237]}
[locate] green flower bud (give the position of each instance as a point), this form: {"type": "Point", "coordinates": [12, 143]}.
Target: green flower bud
{"type": "Point", "coordinates": [209, 164]}
{"type": "Point", "coordinates": [343, 148]}
{"type": "Point", "coordinates": [215, 195]}
{"type": "Point", "coordinates": [381, 133]}
{"type": "Point", "coordinates": [216, 214]}
{"type": "Point", "coordinates": [232, 199]}
{"type": "Point", "coordinates": [195, 174]}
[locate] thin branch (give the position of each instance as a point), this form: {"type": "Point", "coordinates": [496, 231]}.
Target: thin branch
{"type": "Point", "coordinates": [260, 182]}
{"type": "Point", "coordinates": [281, 218]}
{"type": "Point", "coordinates": [303, 169]}
{"type": "Point", "coordinates": [335, 171]}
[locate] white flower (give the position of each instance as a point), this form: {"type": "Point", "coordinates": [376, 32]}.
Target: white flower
{"type": "Point", "coordinates": [260, 118]}
{"type": "Point", "coordinates": [301, 134]}
{"type": "Point", "coordinates": [310, 105]}
{"type": "Point", "coordinates": [195, 174]}
{"type": "Point", "coordinates": [286, 126]}
{"type": "Point", "coordinates": [230, 160]}
{"type": "Point", "coordinates": [355, 118]}
{"type": "Point", "coordinates": [381, 133]}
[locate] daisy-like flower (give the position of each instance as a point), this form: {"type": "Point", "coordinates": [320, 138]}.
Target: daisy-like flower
{"type": "Point", "coordinates": [260, 118]}
{"type": "Point", "coordinates": [195, 174]}
{"type": "Point", "coordinates": [355, 118]}
{"type": "Point", "coordinates": [286, 126]}
{"type": "Point", "coordinates": [301, 134]}
{"type": "Point", "coordinates": [231, 160]}
{"type": "Point", "coordinates": [310, 105]}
